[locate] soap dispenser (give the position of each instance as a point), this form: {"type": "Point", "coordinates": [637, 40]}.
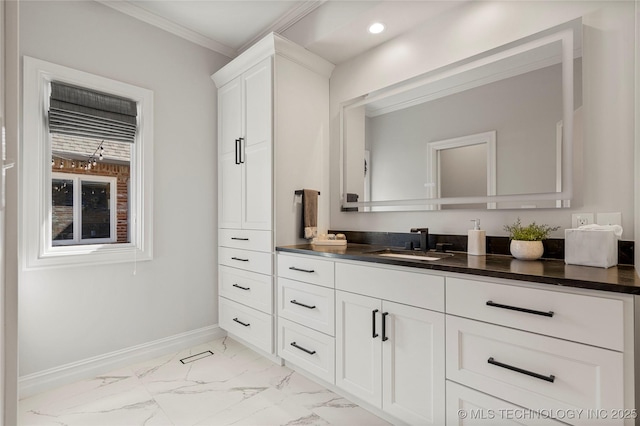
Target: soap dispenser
{"type": "Point", "coordinates": [476, 240]}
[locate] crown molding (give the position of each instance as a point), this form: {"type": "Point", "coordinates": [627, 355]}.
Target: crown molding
{"type": "Point", "coordinates": [286, 21]}
{"type": "Point", "coordinates": [171, 27]}
{"type": "Point", "coordinates": [270, 45]}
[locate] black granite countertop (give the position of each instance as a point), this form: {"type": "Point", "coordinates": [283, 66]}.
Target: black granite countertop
{"type": "Point", "coordinates": [620, 279]}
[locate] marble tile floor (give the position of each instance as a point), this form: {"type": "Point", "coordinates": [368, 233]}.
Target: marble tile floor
{"type": "Point", "coordinates": [234, 386]}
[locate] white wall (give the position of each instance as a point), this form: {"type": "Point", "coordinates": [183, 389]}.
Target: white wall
{"type": "Point", "coordinates": [608, 72]}
{"type": "Point", "coordinates": [71, 314]}
{"type": "Point", "coordinates": [637, 136]}
{"type": "Point", "coordinates": [523, 110]}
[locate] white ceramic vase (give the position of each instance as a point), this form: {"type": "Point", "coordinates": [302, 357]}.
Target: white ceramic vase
{"type": "Point", "coordinates": [526, 250]}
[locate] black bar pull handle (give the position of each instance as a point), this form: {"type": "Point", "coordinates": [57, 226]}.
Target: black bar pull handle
{"type": "Point", "coordinates": [239, 239]}
{"type": "Point", "coordinates": [516, 308]}
{"type": "Point", "coordinates": [384, 326]}
{"type": "Point", "coordinates": [237, 151]}
{"type": "Point", "coordinates": [308, 271]}
{"type": "Point", "coordinates": [241, 154]}
{"type": "Point", "coordinates": [373, 324]}
{"type": "Point", "coordinates": [295, 302]}
{"type": "Point", "coordinates": [241, 288]}
{"type": "Point", "coordinates": [240, 259]}
{"type": "Point", "coordinates": [246, 324]}
{"type": "Point", "coordinates": [295, 345]}
{"type": "Point", "coordinates": [549, 378]}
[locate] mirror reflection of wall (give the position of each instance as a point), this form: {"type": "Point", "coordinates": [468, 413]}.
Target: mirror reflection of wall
{"type": "Point", "coordinates": [524, 109]}
{"type": "Point", "coordinates": [518, 95]}
{"type": "Point", "coordinates": [463, 173]}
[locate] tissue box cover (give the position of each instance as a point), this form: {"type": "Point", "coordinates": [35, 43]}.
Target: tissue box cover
{"type": "Point", "coordinates": [590, 247]}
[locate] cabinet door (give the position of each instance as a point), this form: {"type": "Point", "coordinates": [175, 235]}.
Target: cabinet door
{"type": "Point", "coordinates": [229, 171]}
{"type": "Point", "coordinates": [257, 147]}
{"type": "Point", "coordinates": [358, 352]}
{"type": "Point", "coordinates": [413, 364]}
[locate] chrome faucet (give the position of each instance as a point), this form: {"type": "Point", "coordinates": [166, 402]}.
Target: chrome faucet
{"type": "Point", "coordinates": [424, 238]}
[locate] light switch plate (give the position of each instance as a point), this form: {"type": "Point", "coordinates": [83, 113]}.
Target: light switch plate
{"type": "Point", "coordinates": [579, 219]}
{"type": "Point", "coordinates": [609, 219]}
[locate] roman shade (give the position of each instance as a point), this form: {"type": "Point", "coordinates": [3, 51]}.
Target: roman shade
{"type": "Point", "coordinates": [82, 112]}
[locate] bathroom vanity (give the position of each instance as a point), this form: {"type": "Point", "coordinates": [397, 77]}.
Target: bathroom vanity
{"type": "Point", "coordinates": [534, 342]}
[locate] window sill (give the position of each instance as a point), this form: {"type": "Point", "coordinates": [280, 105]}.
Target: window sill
{"type": "Point", "coordinates": [95, 254]}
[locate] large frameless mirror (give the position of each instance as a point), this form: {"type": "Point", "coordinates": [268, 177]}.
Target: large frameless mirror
{"type": "Point", "coordinates": [493, 131]}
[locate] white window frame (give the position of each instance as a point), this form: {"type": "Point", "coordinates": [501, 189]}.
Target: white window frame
{"type": "Point", "coordinates": [35, 192]}
{"type": "Point", "coordinates": [77, 208]}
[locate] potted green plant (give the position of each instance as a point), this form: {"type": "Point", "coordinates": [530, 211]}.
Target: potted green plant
{"type": "Point", "coordinates": [526, 241]}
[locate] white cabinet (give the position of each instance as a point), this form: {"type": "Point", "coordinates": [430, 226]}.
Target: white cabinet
{"type": "Point", "coordinates": [412, 360]}
{"type": "Point", "coordinates": [309, 349]}
{"type": "Point", "coordinates": [249, 324]}
{"type": "Point", "coordinates": [505, 351]}
{"type": "Point", "coordinates": [306, 314]}
{"type": "Point", "coordinates": [273, 105]}
{"type": "Point", "coordinates": [244, 150]}
{"type": "Point", "coordinates": [552, 313]}
{"type": "Point", "coordinates": [533, 371]}
{"type": "Point", "coordinates": [389, 354]}
{"type": "Point", "coordinates": [307, 304]}
{"type": "Point", "coordinates": [358, 346]}
{"type": "Point", "coordinates": [554, 352]}
{"type": "Point", "coordinates": [466, 406]}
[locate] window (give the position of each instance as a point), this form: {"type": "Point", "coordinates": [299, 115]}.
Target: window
{"type": "Point", "coordinates": [83, 210]}
{"type": "Point", "coordinates": [86, 167]}
{"type": "Point", "coordinates": [89, 160]}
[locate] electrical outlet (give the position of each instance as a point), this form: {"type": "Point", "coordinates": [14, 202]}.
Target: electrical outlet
{"type": "Point", "coordinates": [609, 219]}
{"type": "Point", "coordinates": [580, 219]}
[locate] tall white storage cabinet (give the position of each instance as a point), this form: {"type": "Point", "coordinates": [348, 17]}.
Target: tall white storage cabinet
{"type": "Point", "coordinates": [273, 130]}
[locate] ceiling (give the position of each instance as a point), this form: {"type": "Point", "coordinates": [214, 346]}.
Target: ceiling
{"type": "Point", "coordinates": [334, 29]}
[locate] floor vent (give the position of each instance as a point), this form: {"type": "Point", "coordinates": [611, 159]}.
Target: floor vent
{"type": "Point", "coordinates": [196, 357]}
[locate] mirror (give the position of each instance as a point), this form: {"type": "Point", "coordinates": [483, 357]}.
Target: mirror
{"type": "Point", "coordinates": [492, 131]}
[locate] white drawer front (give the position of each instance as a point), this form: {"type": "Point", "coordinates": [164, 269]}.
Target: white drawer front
{"type": "Point", "coordinates": [246, 239]}
{"type": "Point", "coordinates": [309, 269]}
{"type": "Point", "coordinates": [486, 357]}
{"type": "Point", "coordinates": [307, 304]}
{"type": "Point", "coordinates": [248, 288]}
{"type": "Point", "coordinates": [253, 326]}
{"type": "Point", "coordinates": [248, 260]}
{"type": "Point", "coordinates": [308, 349]}
{"type": "Point", "coordinates": [411, 288]}
{"type": "Point", "coordinates": [466, 406]}
{"type": "Point", "coordinates": [587, 319]}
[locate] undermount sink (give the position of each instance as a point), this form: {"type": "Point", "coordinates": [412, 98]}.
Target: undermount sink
{"type": "Point", "coordinates": [410, 254]}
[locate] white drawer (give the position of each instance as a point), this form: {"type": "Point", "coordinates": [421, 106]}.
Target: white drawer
{"type": "Point", "coordinates": [308, 349]}
{"type": "Point", "coordinates": [253, 326]}
{"type": "Point", "coordinates": [247, 239]}
{"type": "Point", "coordinates": [248, 288]}
{"type": "Point", "coordinates": [248, 260]}
{"type": "Point", "coordinates": [309, 269]}
{"type": "Point", "coordinates": [587, 319]}
{"type": "Point", "coordinates": [307, 304]}
{"type": "Point", "coordinates": [503, 362]}
{"type": "Point", "coordinates": [466, 406]}
{"type": "Point", "coordinates": [411, 288]}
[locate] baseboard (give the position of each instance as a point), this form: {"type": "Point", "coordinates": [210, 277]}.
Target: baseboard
{"type": "Point", "coordinates": [41, 381]}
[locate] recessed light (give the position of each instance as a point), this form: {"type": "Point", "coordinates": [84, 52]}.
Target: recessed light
{"type": "Point", "coordinates": [376, 28]}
